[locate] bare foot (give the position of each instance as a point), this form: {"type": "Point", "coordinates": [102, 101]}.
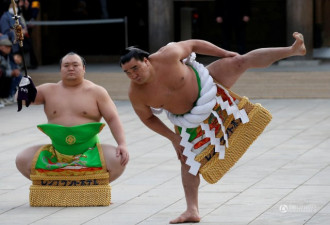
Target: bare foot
{"type": "Point", "coordinates": [299, 45]}
{"type": "Point", "coordinates": [187, 217]}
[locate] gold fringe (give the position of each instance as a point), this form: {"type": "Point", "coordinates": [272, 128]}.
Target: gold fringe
{"type": "Point", "coordinates": [243, 136]}
{"type": "Point", "coordinates": [97, 195]}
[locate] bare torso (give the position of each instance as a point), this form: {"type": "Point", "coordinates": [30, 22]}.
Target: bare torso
{"type": "Point", "coordinates": [69, 106]}
{"type": "Point", "coordinates": [173, 88]}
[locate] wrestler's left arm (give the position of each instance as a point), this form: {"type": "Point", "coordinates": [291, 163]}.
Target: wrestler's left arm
{"type": "Point", "coordinates": [109, 112]}
{"type": "Point", "coordinates": [184, 48]}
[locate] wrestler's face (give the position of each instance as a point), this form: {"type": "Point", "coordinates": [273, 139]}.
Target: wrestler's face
{"type": "Point", "coordinates": [72, 68]}
{"type": "Point", "coordinates": [137, 70]}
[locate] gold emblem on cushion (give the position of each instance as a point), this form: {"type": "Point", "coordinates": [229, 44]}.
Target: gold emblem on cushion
{"type": "Point", "coordinates": [70, 139]}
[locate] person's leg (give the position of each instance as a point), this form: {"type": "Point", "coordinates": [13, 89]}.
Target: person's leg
{"type": "Point", "coordinates": [226, 71]}
{"type": "Point", "coordinates": [14, 84]}
{"type": "Point", "coordinates": [30, 53]}
{"type": "Point", "coordinates": [2, 86]}
{"type": "Point", "coordinates": [5, 86]}
{"type": "Point", "coordinates": [24, 160]}
{"type": "Point", "coordinates": [113, 162]}
{"type": "Point", "coordinates": [190, 185]}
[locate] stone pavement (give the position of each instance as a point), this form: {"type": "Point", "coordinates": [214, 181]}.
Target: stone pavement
{"type": "Point", "coordinates": [282, 179]}
{"type": "Point", "coordinates": [295, 81]}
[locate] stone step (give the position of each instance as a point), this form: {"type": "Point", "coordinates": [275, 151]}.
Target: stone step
{"type": "Point", "coordinates": [310, 84]}
{"type": "Point", "coordinates": [313, 84]}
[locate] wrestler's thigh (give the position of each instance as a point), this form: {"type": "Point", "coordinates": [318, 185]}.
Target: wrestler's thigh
{"type": "Point", "coordinates": [226, 71]}
{"type": "Point", "coordinates": [112, 161]}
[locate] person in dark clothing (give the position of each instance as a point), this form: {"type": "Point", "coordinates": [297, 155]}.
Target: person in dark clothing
{"type": "Point", "coordinates": [7, 23]}
{"type": "Point", "coordinates": [30, 10]}
{"type": "Point", "coordinates": [10, 75]}
{"type": "Point", "coordinates": [233, 15]}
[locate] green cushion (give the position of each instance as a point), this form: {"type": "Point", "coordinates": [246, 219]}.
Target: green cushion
{"type": "Point", "coordinates": [72, 140]}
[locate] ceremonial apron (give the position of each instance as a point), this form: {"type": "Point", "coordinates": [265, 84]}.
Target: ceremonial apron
{"type": "Point", "coordinates": [219, 128]}
{"type": "Point", "coordinates": [71, 171]}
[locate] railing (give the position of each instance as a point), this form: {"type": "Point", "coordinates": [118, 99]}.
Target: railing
{"type": "Point", "coordinates": [82, 22]}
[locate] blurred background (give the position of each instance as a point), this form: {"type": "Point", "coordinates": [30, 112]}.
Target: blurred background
{"type": "Point", "coordinates": [151, 24]}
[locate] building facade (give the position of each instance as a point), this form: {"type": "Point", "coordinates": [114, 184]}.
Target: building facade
{"type": "Point", "coordinates": [153, 23]}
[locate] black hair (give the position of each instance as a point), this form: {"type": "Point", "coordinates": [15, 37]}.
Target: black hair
{"type": "Point", "coordinates": [133, 52]}
{"type": "Point", "coordinates": [83, 61]}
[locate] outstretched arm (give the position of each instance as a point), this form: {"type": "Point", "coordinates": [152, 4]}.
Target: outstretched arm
{"type": "Point", "coordinates": [183, 49]}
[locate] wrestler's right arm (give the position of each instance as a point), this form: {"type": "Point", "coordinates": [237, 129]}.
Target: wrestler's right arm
{"type": "Point", "coordinates": [41, 91]}
{"type": "Point", "coordinates": [40, 99]}
{"type": "Point", "coordinates": [154, 123]}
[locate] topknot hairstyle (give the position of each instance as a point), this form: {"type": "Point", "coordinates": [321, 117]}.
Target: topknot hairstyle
{"type": "Point", "coordinates": [133, 52]}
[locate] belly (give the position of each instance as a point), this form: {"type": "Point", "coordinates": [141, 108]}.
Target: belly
{"type": "Point", "coordinates": [178, 93]}
{"type": "Point", "coordinates": [182, 101]}
{"type": "Point", "coordinates": [72, 118]}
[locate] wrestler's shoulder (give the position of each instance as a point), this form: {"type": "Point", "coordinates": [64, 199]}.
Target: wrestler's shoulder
{"type": "Point", "coordinates": [164, 48]}
{"type": "Point", "coordinates": [91, 87]}
{"type": "Point", "coordinates": [135, 92]}
{"type": "Point", "coordinates": [163, 52]}
{"type": "Point", "coordinates": [47, 85]}
{"type": "Point", "coordinates": [135, 89]}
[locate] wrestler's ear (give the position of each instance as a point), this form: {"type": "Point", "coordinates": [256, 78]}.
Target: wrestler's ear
{"type": "Point", "coordinates": [146, 60]}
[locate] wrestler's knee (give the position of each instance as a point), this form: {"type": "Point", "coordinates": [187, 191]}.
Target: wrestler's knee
{"type": "Point", "coordinates": [113, 162]}
{"type": "Point", "coordinates": [239, 62]}
{"type": "Point", "coordinates": [237, 67]}
{"type": "Point", "coordinates": [24, 160]}
{"type": "Point", "coordinates": [20, 161]}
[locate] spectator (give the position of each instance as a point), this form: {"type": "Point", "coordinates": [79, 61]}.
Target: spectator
{"type": "Point", "coordinates": [6, 27]}
{"type": "Point", "coordinates": [10, 75]}
{"type": "Point", "coordinates": [233, 15]}
{"type": "Point", "coordinates": [30, 11]}
{"type": "Point", "coordinates": [7, 23]}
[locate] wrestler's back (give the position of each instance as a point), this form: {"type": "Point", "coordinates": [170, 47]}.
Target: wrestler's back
{"type": "Point", "coordinates": [70, 106]}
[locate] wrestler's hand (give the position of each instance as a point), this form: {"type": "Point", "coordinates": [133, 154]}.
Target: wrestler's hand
{"type": "Point", "coordinates": [121, 151]}
{"type": "Point", "coordinates": [26, 92]}
{"type": "Point", "coordinates": [176, 139]}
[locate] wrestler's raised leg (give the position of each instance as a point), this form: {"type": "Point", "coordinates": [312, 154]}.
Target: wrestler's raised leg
{"type": "Point", "coordinates": [228, 70]}
{"type": "Point", "coordinates": [113, 161]}
{"type": "Point", "coordinates": [24, 160]}
{"type": "Point", "coordinates": [190, 185]}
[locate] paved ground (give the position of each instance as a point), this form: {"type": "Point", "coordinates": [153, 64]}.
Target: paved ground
{"type": "Point", "coordinates": [282, 179]}
{"type": "Point", "coordinates": [295, 80]}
